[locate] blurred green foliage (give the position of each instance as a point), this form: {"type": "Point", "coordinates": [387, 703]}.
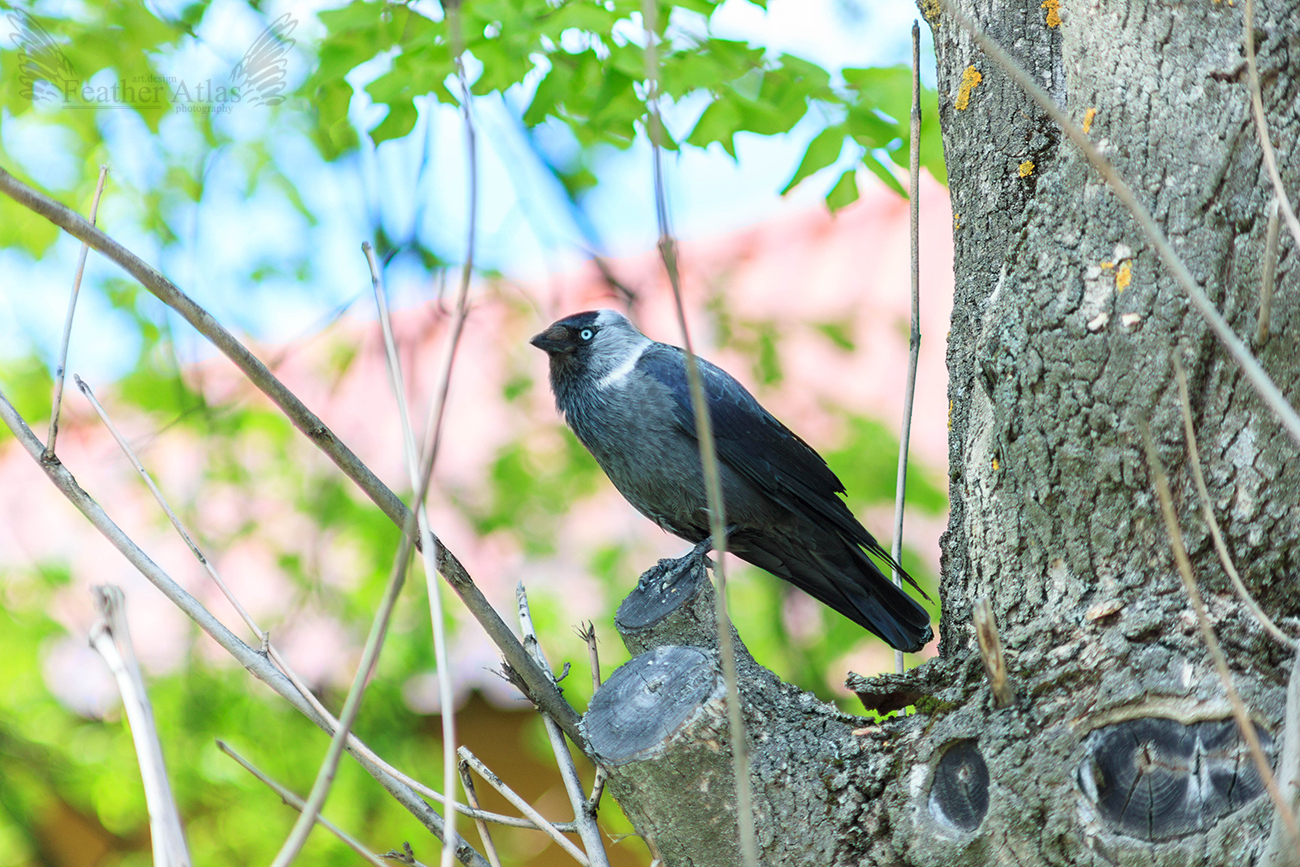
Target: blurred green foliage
{"type": "Point", "coordinates": [590, 76]}
{"type": "Point", "coordinates": [573, 64]}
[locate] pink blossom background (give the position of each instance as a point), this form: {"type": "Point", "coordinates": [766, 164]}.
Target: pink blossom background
{"type": "Point", "coordinates": [798, 271]}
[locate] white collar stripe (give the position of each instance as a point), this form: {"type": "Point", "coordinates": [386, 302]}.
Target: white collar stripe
{"type": "Point", "coordinates": [620, 373]}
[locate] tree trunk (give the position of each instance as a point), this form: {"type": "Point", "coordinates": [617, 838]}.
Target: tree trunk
{"type": "Point", "coordinates": [1119, 746]}
{"type": "Point", "coordinates": [1065, 330]}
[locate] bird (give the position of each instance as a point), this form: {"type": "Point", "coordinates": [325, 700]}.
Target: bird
{"type": "Point", "coordinates": [627, 399]}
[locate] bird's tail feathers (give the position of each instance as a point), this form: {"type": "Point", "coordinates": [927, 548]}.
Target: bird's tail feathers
{"type": "Point", "coordinates": [881, 606]}
{"type": "Point", "coordinates": [848, 581]}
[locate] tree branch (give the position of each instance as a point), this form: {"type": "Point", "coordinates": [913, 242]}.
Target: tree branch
{"type": "Point", "coordinates": [708, 455]}
{"type": "Point", "coordinates": [914, 332]}
{"type": "Point", "coordinates": [256, 663]}
{"type": "Point", "coordinates": [541, 691]}
{"type": "Point", "coordinates": [1261, 123]}
{"type": "Point", "coordinates": [297, 803]}
{"type": "Point", "coordinates": [112, 639]}
{"type": "Point", "coordinates": [60, 370]}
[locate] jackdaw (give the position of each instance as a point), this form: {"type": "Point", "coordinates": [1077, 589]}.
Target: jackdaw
{"type": "Point", "coordinates": [627, 398]}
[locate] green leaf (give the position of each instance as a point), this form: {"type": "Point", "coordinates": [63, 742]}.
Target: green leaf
{"type": "Point", "coordinates": [718, 123]}
{"type": "Point", "coordinates": [845, 191]}
{"type": "Point", "coordinates": [872, 131]}
{"type": "Point", "coordinates": [881, 171]}
{"type": "Point", "coordinates": [932, 138]}
{"type": "Point", "coordinates": [704, 7]}
{"type": "Point", "coordinates": [26, 381]}
{"type": "Point", "coordinates": [887, 88]}
{"type": "Point", "coordinates": [590, 17]}
{"type": "Point", "coordinates": [712, 66]}
{"type": "Point", "coordinates": [807, 76]}
{"type": "Point", "coordinates": [616, 108]}
{"type": "Point", "coordinates": [839, 334]}
{"type": "Point", "coordinates": [21, 228]}
{"type": "Point", "coordinates": [822, 151]}
{"type": "Point", "coordinates": [334, 134]}
{"type": "Point", "coordinates": [399, 122]}
{"type": "Point", "coordinates": [628, 59]}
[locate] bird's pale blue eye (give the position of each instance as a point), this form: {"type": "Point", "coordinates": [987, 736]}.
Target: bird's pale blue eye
{"type": "Point", "coordinates": [586, 334]}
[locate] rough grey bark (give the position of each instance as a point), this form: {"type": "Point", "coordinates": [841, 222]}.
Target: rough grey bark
{"type": "Point", "coordinates": [659, 726]}
{"type": "Point", "coordinates": [1119, 747]}
{"type": "Point", "coordinates": [1054, 365]}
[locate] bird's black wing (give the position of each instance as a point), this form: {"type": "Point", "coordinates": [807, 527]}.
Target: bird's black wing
{"type": "Point", "coordinates": [755, 444]}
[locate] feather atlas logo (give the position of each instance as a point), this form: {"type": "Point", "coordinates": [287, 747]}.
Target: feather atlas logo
{"type": "Point", "coordinates": [44, 72]}
{"type": "Point", "coordinates": [262, 70]}
{"type": "Point", "coordinates": [48, 78]}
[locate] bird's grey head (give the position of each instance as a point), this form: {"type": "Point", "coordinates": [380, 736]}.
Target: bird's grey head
{"type": "Point", "coordinates": [592, 350]}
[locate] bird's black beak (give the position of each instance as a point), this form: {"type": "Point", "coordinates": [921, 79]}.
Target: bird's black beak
{"type": "Point", "coordinates": [553, 339]}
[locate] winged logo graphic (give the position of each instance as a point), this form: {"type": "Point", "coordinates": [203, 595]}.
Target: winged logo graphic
{"type": "Point", "coordinates": [44, 72]}
{"type": "Point", "coordinates": [260, 75]}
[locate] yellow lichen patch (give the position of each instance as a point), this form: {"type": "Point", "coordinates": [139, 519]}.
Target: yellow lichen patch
{"type": "Point", "coordinates": [950, 414]}
{"type": "Point", "coordinates": [1026, 168]}
{"type": "Point", "coordinates": [956, 222]}
{"type": "Point", "coordinates": [1053, 8]}
{"type": "Point", "coordinates": [970, 79]}
{"type": "Point", "coordinates": [1106, 266]}
{"type": "Point", "coordinates": [1123, 276]}
{"type": "Point", "coordinates": [995, 465]}
{"type": "Point", "coordinates": [930, 9]}
{"type": "Point", "coordinates": [1087, 119]}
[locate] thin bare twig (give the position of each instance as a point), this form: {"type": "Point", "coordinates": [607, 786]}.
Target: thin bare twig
{"type": "Point", "coordinates": [523, 806]}
{"type": "Point", "coordinates": [708, 456]}
{"type": "Point", "coordinates": [297, 803]}
{"type": "Point", "coordinates": [1239, 711]}
{"type": "Point", "coordinates": [1194, 453]}
{"type": "Point", "coordinates": [1261, 123]}
{"type": "Point", "coordinates": [597, 790]}
{"type": "Point", "coordinates": [1279, 852]}
{"type": "Point", "coordinates": [112, 639]}
{"type": "Point", "coordinates": [433, 433]}
{"type": "Point", "coordinates": [588, 634]}
{"type": "Point", "coordinates": [354, 743]}
{"type": "Point", "coordinates": [1236, 347]}
{"type": "Point", "coordinates": [588, 830]}
{"type": "Point", "coordinates": [167, 510]}
{"type": "Point", "coordinates": [467, 783]}
{"type": "Point", "coordinates": [256, 663]}
{"type": "Point", "coordinates": [406, 856]}
{"type": "Point", "coordinates": [61, 369]}
{"type": "Point", "coordinates": [1271, 237]}
{"type": "Point", "coordinates": [351, 707]}
{"type": "Point", "coordinates": [420, 486]}
{"type": "Point", "coordinates": [433, 423]}
{"type": "Point", "coordinates": [541, 691]}
{"type": "Point", "coordinates": [914, 334]}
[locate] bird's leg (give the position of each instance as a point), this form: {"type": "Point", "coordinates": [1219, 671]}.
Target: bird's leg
{"type": "Point", "coordinates": [700, 549]}
{"type": "Point", "coordinates": [707, 545]}
{"type": "Point", "coordinates": [668, 572]}
{"type": "Point", "coordinates": [699, 552]}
